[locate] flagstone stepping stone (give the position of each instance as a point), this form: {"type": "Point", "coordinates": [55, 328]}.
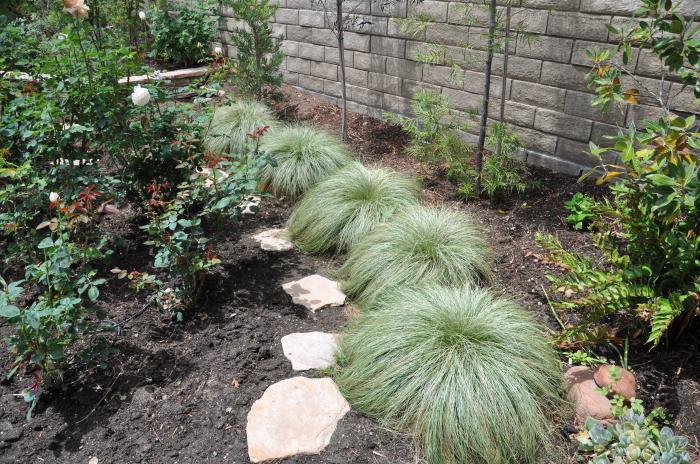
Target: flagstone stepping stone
{"type": "Point", "coordinates": [274, 240]}
{"type": "Point", "coordinates": [296, 416]}
{"type": "Point", "coordinates": [311, 350]}
{"type": "Point", "coordinates": [315, 292]}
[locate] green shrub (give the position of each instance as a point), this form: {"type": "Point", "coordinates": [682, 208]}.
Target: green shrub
{"type": "Point", "coordinates": [433, 131]}
{"type": "Point", "coordinates": [418, 246]}
{"type": "Point", "coordinates": [470, 373]}
{"type": "Point", "coordinates": [505, 173]}
{"type": "Point", "coordinates": [303, 157]}
{"type": "Point", "coordinates": [182, 38]}
{"type": "Point", "coordinates": [343, 208]}
{"type": "Point", "coordinates": [258, 57]}
{"type": "Point", "coordinates": [435, 140]}
{"type": "Point", "coordinates": [649, 232]}
{"type": "Point", "coordinates": [231, 124]}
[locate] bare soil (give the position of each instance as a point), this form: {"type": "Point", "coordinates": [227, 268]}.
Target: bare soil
{"type": "Point", "coordinates": [180, 393]}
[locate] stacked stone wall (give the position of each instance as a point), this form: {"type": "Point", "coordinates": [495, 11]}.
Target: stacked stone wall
{"type": "Point", "coordinates": [547, 100]}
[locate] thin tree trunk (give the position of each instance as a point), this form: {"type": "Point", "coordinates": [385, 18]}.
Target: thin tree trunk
{"type": "Point", "coordinates": [504, 84]}
{"type": "Point", "coordinates": [341, 58]}
{"type": "Point", "coordinates": [487, 92]}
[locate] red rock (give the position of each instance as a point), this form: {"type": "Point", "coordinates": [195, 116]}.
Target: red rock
{"type": "Point", "coordinates": [582, 392]}
{"type": "Point", "coordinates": [625, 386]}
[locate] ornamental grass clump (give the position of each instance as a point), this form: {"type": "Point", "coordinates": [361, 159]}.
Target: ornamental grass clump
{"type": "Point", "coordinates": [418, 246]}
{"type": "Point", "coordinates": [343, 208]}
{"type": "Point", "coordinates": [231, 124]}
{"type": "Point", "coordinates": [472, 375]}
{"type": "Point", "coordinates": [303, 156]}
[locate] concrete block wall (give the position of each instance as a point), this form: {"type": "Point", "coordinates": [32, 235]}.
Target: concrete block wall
{"type": "Point", "coordinates": [547, 101]}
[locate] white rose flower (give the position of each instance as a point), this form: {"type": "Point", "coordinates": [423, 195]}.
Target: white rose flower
{"type": "Point", "coordinates": [142, 15]}
{"type": "Point", "coordinates": [218, 51]}
{"type": "Point", "coordinates": [140, 96]}
{"type": "Point", "coordinates": [53, 197]}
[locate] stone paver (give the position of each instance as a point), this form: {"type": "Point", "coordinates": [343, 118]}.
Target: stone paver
{"type": "Point", "coordinates": [315, 292]}
{"type": "Point", "coordinates": [274, 240]}
{"type": "Point", "coordinates": [296, 416]}
{"type": "Point", "coordinates": [311, 350]}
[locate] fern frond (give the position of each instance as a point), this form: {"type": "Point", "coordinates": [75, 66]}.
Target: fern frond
{"type": "Point", "coordinates": [664, 312]}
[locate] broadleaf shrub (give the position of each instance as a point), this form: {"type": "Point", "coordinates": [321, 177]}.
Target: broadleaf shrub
{"type": "Point", "coordinates": [649, 232]}
{"type": "Point", "coordinates": [470, 374]}
{"type": "Point", "coordinates": [303, 156]}
{"type": "Point", "coordinates": [69, 131]}
{"type": "Point", "coordinates": [62, 313]}
{"type": "Point", "coordinates": [343, 208]}
{"type": "Point", "coordinates": [418, 246]}
{"type": "Point", "coordinates": [181, 34]}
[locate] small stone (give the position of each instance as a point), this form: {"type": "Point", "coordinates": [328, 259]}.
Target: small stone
{"type": "Point", "coordinates": [315, 292]}
{"type": "Point", "coordinates": [93, 460]}
{"type": "Point", "coordinates": [296, 416]}
{"type": "Point", "coordinates": [312, 350]}
{"type": "Point", "coordinates": [250, 205]}
{"type": "Point", "coordinates": [582, 392]}
{"type": "Point", "coordinates": [625, 386]}
{"type": "Point", "coordinates": [274, 240]}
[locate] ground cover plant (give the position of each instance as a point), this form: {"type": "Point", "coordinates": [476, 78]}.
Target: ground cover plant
{"type": "Point", "coordinates": [303, 156]}
{"type": "Point", "coordinates": [419, 246]}
{"type": "Point", "coordinates": [470, 374]}
{"type": "Point", "coordinates": [342, 209]}
{"type": "Point", "coordinates": [635, 438]}
{"type": "Point", "coordinates": [229, 127]}
{"type": "Point", "coordinates": [649, 231]}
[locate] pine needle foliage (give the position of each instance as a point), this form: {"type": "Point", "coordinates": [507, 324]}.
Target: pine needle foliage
{"type": "Point", "coordinates": [472, 375]}
{"type": "Point", "coordinates": [345, 207]}
{"type": "Point", "coordinates": [303, 156]}
{"type": "Point", "coordinates": [420, 245]}
{"type": "Point", "coordinates": [231, 124]}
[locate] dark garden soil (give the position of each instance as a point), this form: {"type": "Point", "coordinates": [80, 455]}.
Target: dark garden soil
{"type": "Point", "coordinates": [180, 393]}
